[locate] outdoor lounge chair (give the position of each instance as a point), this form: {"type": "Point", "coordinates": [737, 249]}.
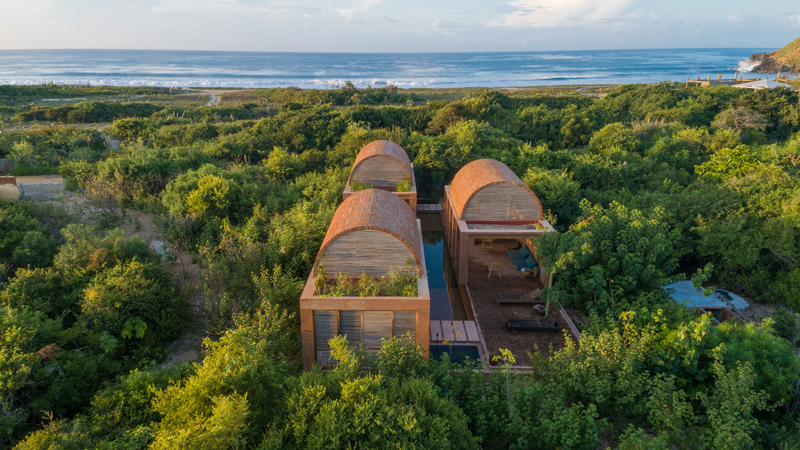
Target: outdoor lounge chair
{"type": "Point", "coordinates": [521, 253]}
{"type": "Point", "coordinates": [532, 325]}
{"type": "Point", "coordinates": [522, 258]}
{"type": "Point", "coordinates": [529, 297]}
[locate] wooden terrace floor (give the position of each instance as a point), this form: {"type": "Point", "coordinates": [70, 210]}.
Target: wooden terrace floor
{"type": "Point", "coordinates": [491, 316]}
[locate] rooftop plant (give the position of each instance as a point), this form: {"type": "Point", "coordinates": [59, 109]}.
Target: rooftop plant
{"type": "Point", "coordinates": [400, 283]}
{"type": "Point", "coordinates": [356, 186]}
{"type": "Point", "coordinates": [404, 185]}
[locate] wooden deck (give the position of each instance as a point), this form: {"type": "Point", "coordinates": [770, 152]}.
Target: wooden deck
{"type": "Point", "coordinates": [432, 208]}
{"type": "Point", "coordinates": [492, 316]}
{"type": "Point", "coordinates": [460, 331]}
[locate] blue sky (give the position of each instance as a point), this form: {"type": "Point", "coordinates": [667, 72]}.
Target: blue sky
{"type": "Point", "coordinates": [396, 26]}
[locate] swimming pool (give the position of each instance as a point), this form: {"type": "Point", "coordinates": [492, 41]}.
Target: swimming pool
{"type": "Point", "coordinates": [458, 353]}
{"type": "Point", "coordinates": [446, 302]}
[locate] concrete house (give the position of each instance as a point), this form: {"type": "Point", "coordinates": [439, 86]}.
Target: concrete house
{"type": "Point", "coordinates": [373, 234]}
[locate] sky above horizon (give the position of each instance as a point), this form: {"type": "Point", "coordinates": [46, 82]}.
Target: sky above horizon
{"type": "Point", "coordinates": [396, 26]}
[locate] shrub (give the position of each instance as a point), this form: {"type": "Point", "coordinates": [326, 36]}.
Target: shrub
{"type": "Point", "coordinates": [145, 172]}
{"type": "Point", "coordinates": [612, 256]}
{"type": "Point", "coordinates": [236, 392]}
{"type": "Point", "coordinates": [614, 135]}
{"type": "Point", "coordinates": [404, 185]}
{"type": "Point", "coordinates": [210, 192]}
{"type": "Point", "coordinates": [116, 298]}
{"type": "Point", "coordinates": [87, 250]}
{"type": "Point", "coordinates": [786, 324]}
{"type": "Point", "coordinates": [557, 191]}
{"type": "Point", "coordinates": [356, 186]}
{"type": "Point", "coordinates": [401, 283]}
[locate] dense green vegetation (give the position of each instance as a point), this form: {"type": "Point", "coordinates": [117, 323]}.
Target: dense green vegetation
{"type": "Point", "coordinates": [16, 95]}
{"type": "Point", "coordinates": [41, 150]}
{"type": "Point", "coordinates": [647, 184]}
{"type": "Point", "coordinates": [395, 284]}
{"type": "Point", "coordinates": [78, 307]}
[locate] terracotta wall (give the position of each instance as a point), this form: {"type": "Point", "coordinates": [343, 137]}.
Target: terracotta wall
{"type": "Point", "coordinates": [309, 303]}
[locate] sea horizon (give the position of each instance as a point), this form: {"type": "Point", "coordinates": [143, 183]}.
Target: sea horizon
{"type": "Point", "coordinates": [367, 53]}
{"type": "Point", "coordinates": [328, 70]}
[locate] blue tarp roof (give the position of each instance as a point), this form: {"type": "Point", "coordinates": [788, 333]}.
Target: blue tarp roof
{"type": "Point", "coordinates": [686, 294]}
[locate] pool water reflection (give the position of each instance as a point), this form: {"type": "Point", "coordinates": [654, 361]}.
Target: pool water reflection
{"type": "Point", "coordinates": [458, 353]}
{"type": "Point", "coordinates": [446, 303]}
{"type": "Point", "coordinates": [437, 285]}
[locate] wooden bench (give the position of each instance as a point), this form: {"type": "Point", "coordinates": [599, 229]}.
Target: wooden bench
{"type": "Point", "coordinates": [532, 325]}
{"type": "Point", "coordinates": [529, 297]}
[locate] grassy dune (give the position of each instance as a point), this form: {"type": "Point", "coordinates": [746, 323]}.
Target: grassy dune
{"type": "Point", "coordinates": [790, 53]}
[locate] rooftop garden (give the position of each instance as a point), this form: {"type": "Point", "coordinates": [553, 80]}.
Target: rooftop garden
{"type": "Point", "coordinates": [403, 186]}
{"type": "Point", "coordinates": [402, 283]}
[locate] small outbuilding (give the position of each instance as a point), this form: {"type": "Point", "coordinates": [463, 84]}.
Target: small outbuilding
{"type": "Point", "coordinates": [9, 189]}
{"type": "Point", "coordinates": [384, 165]}
{"type": "Point", "coordinates": [374, 238]}
{"type": "Point", "coordinates": [762, 84]}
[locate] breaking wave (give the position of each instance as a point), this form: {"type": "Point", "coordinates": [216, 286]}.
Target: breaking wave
{"type": "Point", "coordinates": [334, 70]}
{"type": "Point", "coordinates": [747, 65]}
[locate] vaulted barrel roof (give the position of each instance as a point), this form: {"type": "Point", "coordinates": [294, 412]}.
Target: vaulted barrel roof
{"type": "Point", "coordinates": [384, 149]}
{"type": "Point", "coordinates": [378, 210]}
{"type": "Point", "coordinates": [480, 174]}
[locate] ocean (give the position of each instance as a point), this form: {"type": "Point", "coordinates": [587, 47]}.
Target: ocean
{"type": "Point", "coordinates": [331, 70]}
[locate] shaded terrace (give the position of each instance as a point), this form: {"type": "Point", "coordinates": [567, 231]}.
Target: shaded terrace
{"type": "Point", "coordinates": [488, 210]}
{"type": "Point", "coordinates": [491, 316]}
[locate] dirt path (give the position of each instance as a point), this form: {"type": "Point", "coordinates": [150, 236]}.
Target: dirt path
{"type": "Point", "coordinates": [583, 90]}
{"type": "Point", "coordinates": [188, 347]}
{"type": "Point", "coordinates": [213, 100]}
{"type": "Point", "coordinates": [214, 96]}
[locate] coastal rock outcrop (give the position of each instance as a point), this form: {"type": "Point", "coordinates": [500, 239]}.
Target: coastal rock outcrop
{"type": "Point", "coordinates": [784, 60]}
